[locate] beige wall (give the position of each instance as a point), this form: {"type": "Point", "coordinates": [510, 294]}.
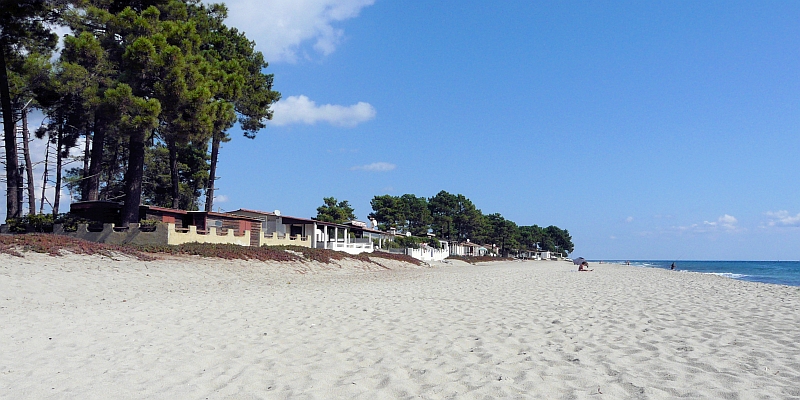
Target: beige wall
{"type": "Point", "coordinates": [108, 235]}
{"type": "Point", "coordinates": [192, 236]}
{"type": "Point", "coordinates": [272, 239]}
{"type": "Point", "coordinates": [163, 234]}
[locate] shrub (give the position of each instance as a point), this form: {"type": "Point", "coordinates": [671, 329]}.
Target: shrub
{"type": "Point", "coordinates": [70, 222]}
{"type": "Point", "coordinates": [148, 225]}
{"type": "Point", "coordinates": [40, 223]}
{"type": "Point", "coordinates": [15, 225]}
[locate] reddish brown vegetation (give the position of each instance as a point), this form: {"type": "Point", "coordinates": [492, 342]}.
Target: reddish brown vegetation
{"type": "Point", "coordinates": [396, 257]}
{"type": "Point", "coordinates": [55, 244]}
{"type": "Point", "coordinates": [475, 260]}
{"type": "Point", "coordinates": [224, 251]}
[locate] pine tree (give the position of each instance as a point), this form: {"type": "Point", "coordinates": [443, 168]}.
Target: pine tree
{"type": "Point", "coordinates": [23, 30]}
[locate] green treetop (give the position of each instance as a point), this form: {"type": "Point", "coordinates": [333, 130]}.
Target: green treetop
{"type": "Point", "coordinates": [331, 211]}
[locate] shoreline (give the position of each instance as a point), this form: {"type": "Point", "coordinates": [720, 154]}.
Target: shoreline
{"type": "Point", "coordinates": [93, 327]}
{"type": "Point", "coordinates": [785, 273]}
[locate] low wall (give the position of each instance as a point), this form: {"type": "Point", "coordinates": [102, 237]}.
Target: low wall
{"type": "Point", "coordinates": [109, 235]}
{"type": "Point", "coordinates": [351, 248]}
{"type": "Point", "coordinates": [163, 234]}
{"type": "Point", "coordinates": [273, 239]}
{"type": "Point", "coordinates": [211, 237]}
{"type": "Point", "coordinates": [428, 254]}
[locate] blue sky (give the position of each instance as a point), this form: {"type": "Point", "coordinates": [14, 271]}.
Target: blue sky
{"type": "Point", "coordinates": [649, 130]}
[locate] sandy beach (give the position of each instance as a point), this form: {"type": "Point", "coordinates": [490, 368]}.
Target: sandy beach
{"type": "Point", "coordinates": [91, 327]}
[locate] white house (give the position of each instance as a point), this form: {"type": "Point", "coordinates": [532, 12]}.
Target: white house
{"type": "Point", "coordinates": [353, 237]}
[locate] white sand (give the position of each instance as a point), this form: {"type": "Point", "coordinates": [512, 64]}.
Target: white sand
{"type": "Point", "coordinates": [92, 328]}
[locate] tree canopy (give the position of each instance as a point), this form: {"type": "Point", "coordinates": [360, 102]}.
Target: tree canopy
{"type": "Point", "coordinates": [454, 217]}
{"type": "Point", "coordinates": [333, 211]}
{"type": "Point", "coordinates": [150, 85]}
{"type": "Point", "coordinates": [24, 31]}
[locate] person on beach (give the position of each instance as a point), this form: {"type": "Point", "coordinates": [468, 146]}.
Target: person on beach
{"type": "Point", "coordinates": [584, 267]}
{"type": "Point", "coordinates": [672, 266]}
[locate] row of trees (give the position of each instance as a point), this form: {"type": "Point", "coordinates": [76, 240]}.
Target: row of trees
{"type": "Point", "coordinates": [148, 85]}
{"type": "Point", "coordinates": [453, 218]}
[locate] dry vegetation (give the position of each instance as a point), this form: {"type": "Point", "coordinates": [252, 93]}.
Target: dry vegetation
{"type": "Point", "coordinates": [475, 260]}
{"type": "Point", "coordinates": [56, 244]}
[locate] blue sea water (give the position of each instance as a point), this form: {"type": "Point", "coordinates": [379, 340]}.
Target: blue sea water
{"type": "Point", "coordinates": [776, 272]}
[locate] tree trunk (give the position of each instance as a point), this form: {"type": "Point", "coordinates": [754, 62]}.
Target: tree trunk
{"type": "Point", "coordinates": [57, 195]}
{"type": "Point", "coordinates": [91, 191]}
{"type": "Point", "coordinates": [28, 163]}
{"type": "Point", "coordinates": [212, 174]}
{"type": "Point", "coordinates": [117, 162]}
{"type": "Point", "coordinates": [12, 173]}
{"type": "Point", "coordinates": [44, 178]}
{"type": "Point", "coordinates": [173, 172]}
{"type": "Point", "coordinates": [133, 179]}
{"type": "Point", "coordinates": [86, 157]}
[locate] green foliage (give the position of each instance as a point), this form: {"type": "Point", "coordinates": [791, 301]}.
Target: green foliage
{"type": "Point", "coordinates": [69, 222]}
{"type": "Point", "coordinates": [31, 223]}
{"type": "Point", "coordinates": [386, 211]}
{"type": "Point", "coordinates": [148, 225]}
{"type": "Point", "coordinates": [331, 211]}
{"type": "Point", "coordinates": [435, 243]}
{"type": "Point", "coordinates": [15, 225]}
{"type": "Point", "coordinates": [443, 208]}
{"type": "Point", "coordinates": [503, 233]}
{"type": "Point", "coordinates": [558, 239]}
{"type": "Point", "coordinates": [24, 30]}
{"type": "Point", "coordinates": [238, 86]}
{"type": "Point", "coordinates": [131, 75]}
{"type": "Point", "coordinates": [455, 217]}
{"type": "Point", "coordinates": [39, 222]}
{"type": "Point", "coordinates": [406, 213]}
{"type": "Point", "coordinates": [408, 241]}
{"type": "Point", "coordinates": [192, 171]}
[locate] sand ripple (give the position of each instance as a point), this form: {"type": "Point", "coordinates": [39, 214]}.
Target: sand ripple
{"type": "Point", "coordinates": [89, 327]}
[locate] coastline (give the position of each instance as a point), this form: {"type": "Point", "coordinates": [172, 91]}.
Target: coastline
{"type": "Point", "coordinates": [775, 272]}
{"type": "Point", "coordinates": [93, 327]}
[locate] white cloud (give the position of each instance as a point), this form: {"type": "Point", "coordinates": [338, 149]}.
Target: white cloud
{"type": "Point", "coordinates": [725, 222]}
{"type": "Point", "coordinates": [221, 199]}
{"type": "Point", "coordinates": [629, 219]}
{"type": "Point", "coordinates": [375, 167]}
{"type": "Point", "coordinates": [783, 218]}
{"type": "Point", "coordinates": [281, 27]}
{"type": "Point", "coordinates": [302, 110]}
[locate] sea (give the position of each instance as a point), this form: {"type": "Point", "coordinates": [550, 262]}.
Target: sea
{"type": "Point", "coordinates": [775, 272]}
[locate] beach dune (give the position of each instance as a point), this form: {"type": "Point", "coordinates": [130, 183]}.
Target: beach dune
{"type": "Point", "coordinates": [93, 327]}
